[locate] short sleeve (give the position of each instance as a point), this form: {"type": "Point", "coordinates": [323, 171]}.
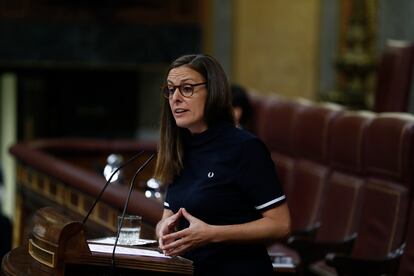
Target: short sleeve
{"type": "Point", "coordinates": [258, 177]}
{"type": "Point", "coordinates": [167, 200]}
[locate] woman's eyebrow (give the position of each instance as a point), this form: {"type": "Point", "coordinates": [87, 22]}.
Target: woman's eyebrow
{"type": "Point", "coordinates": [183, 80]}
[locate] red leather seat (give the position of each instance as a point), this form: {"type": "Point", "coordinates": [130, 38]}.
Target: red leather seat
{"type": "Point", "coordinates": [387, 168]}
{"type": "Point", "coordinates": [384, 216]}
{"type": "Point", "coordinates": [389, 151]}
{"type": "Point", "coordinates": [394, 77]}
{"type": "Point", "coordinates": [343, 199]}
{"type": "Point", "coordinates": [383, 219]}
{"type": "Point", "coordinates": [308, 174]}
{"type": "Point", "coordinates": [340, 215]}
{"type": "Point", "coordinates": [258, 103]}
{"type": "Point", "coordinates": [276, 132]}
{"type": "Point", "coordinates": [310, 145]}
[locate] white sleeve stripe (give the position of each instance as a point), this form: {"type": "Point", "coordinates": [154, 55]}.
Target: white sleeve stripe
{"type": "Point", "coordinates": [166, 204]}
{"type": "Point", "coordinates": [270, 202]}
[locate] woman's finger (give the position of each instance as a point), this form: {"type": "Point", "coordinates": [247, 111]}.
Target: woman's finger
{"type": "Point", "coordinates": [176, 235]}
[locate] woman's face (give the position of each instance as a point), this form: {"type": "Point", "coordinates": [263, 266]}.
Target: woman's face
{"type": "Point", "coordinates": [188, 112]}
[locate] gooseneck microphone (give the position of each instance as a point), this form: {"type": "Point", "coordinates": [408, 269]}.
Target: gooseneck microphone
{"type": "Point", "coordinates": [98, 198]}
{"type": "Point", "coordinates": [131, 187]}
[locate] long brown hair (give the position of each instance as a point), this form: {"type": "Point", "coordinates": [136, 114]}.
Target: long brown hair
{"type": "Point", "coordinates": [217, 109]}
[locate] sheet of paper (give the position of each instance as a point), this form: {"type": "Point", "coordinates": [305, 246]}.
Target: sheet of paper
{"type": "Point", "coordinates": [102, 248]}
{"type": "Point", "coordinates": [276, 265]}
{"type": "Point", "coordinates": [111, 240]}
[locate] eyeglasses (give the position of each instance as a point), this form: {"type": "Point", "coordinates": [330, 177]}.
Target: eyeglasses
{"type": "Point", "coordinates": [186, 89]}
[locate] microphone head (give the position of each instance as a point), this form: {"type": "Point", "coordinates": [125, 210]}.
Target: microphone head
{"type": "Point", "coordinates": [113, 161]}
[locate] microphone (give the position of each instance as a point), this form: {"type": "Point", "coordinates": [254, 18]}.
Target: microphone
{"type": "Point", "coordinates": [131, 187]}
{"type": "Point", "coordinates": [98, 198]}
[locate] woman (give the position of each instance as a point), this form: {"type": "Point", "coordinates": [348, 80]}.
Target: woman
{"type": "Point", "coordinates": [224, 201]}
{"type": "Point", "coordinates": [242, 109]}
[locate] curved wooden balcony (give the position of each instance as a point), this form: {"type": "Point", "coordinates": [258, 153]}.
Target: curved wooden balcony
{"type": "Point", "coordinates": [67, 174]}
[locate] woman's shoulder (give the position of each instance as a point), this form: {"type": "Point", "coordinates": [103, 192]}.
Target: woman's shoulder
{"type": "Point", "coordinates": [244, 135]}
{"type": "Point", "coordinates": [246, 139]}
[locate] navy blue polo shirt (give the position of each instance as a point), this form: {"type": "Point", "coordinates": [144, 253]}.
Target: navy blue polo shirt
{"type": "Point", "coordinates": [228, 178]}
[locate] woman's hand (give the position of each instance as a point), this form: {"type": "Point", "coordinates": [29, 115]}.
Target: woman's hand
{"type": "Point", "coordinates": [197, 234]}
{"type": "Point", "coordinates": [274, 225]}
{"type": "Point", "coordinates": [166, 226]}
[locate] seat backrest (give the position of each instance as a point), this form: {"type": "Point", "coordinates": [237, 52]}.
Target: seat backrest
{"type": "Point", "coordinates": [387, 167]}
{"type": "Point", "coordinates": [394, 77]}
{"type": "Point", "coordinates": [342, 207]}
{"type": "Point", "coordinates": [279, 116]}
{"type": "Point", "coordinates": [383, 219]}
{"type": "Point", "coordinates": [389, 150]}
{"type": "Point", "coordinates": [310, 140]}
{"type": "Point", "coordinates": [407, 260]}
{"type": "Point", "coordinates": [307, 194]}
{"type": "Point", "coordinates": [258, 103]}
{"type": "Point", "coordinates": [346, 140]}
{"type": "Point", "coordinates": [311, 130]}
{"type": "Point", "coordinates": [341, 211]}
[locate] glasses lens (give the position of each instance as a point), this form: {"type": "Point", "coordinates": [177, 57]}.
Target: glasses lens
{"type": "Point", "coordinates": [187, 90]}
{"type": "Point", "coordinates": [167, 91]}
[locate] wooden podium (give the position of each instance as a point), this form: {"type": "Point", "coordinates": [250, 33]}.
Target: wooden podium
{"type": "Point", "coordinates": [57, 246]}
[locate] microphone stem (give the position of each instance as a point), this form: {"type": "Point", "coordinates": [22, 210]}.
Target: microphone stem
{"type": "Point", "coordinates": [131, 187]}
{"type": "Point", "coordinates": [109, 181]}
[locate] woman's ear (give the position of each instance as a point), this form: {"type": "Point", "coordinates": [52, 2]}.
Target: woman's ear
{"type": "Point", "coordinates": [237, 112]}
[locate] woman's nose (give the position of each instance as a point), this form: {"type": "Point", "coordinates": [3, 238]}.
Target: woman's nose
{"type": "Point", "coordinates": [176, 95]}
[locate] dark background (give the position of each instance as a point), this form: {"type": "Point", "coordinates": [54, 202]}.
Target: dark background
{"type": "Point", "coordinates": [86, 68]}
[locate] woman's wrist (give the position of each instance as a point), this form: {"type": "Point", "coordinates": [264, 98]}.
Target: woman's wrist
{"type": "Point", "coordinates": [214, 234]}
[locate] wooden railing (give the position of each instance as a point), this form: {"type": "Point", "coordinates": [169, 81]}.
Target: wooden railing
{"type": "Point", "coordinates": [60, 173]}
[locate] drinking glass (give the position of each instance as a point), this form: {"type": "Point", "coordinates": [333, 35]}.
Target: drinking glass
{"type": "Point", "coordinates": [130, 230]}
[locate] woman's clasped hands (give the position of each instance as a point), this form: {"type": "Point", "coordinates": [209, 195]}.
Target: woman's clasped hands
{"type": "Point", "coordinates": [174, 243]}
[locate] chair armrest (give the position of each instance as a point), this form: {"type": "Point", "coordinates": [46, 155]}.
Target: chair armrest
{"type": "Point", "coordinates": [307, 233]}
{"type": "Point", "coordinates": [311, 251]}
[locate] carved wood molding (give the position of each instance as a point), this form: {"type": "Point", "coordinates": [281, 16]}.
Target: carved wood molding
{"type": "Point", "coordinates": [42, 174]}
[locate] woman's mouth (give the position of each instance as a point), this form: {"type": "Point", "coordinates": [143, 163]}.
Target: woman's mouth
{"type": "Point", "coordinates": [179, 111]}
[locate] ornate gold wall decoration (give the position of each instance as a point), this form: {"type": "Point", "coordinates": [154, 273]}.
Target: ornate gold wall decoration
{"type": "Point", "coordinates": [356, 60]}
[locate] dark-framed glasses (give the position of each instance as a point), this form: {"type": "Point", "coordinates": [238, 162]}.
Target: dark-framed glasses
{"type": "Point", "coordinates": [185, 89]}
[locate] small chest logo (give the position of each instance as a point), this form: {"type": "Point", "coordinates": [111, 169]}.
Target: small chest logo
{"type": "Point", "coordinates": [210, 175]}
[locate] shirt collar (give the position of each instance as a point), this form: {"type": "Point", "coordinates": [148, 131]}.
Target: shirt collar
{"type": "Point", "coordinates": [195, 140]}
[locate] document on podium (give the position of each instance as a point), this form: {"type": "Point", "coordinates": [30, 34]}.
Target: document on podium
{"type": "Point", "coordinates": [111, 241]}
{"type": "Point", "coordinates": [105, 248]}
